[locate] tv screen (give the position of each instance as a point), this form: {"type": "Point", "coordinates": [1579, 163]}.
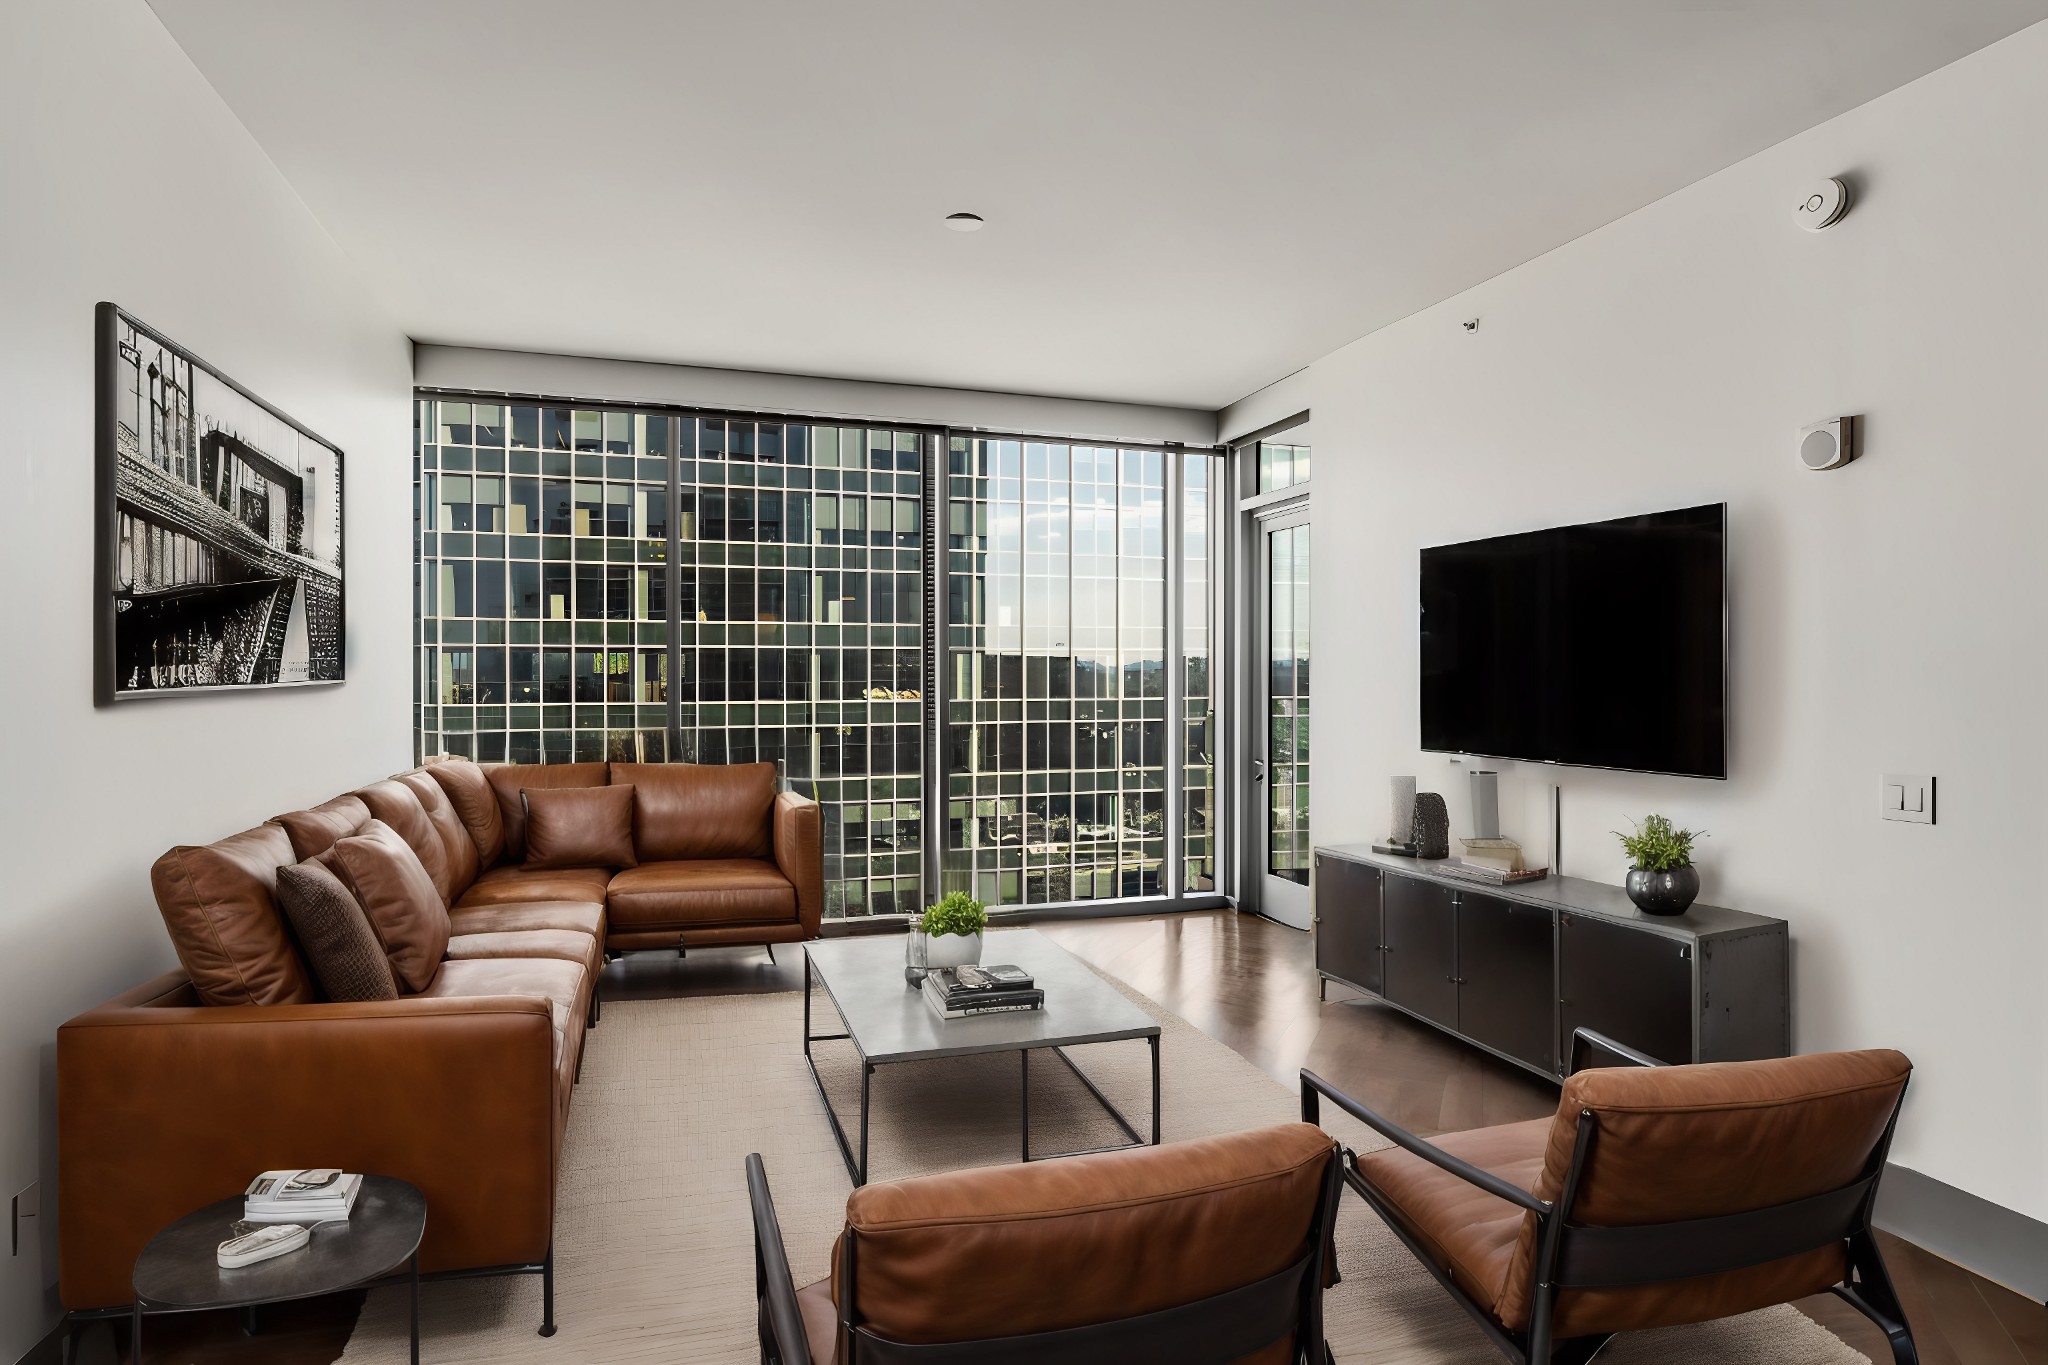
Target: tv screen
{"type": "Point", "coordinates": [1603, 645]}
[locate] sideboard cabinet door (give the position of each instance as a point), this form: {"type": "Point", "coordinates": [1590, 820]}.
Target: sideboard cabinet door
{"type": "Point", "coordinates": [1633, 985]}
{"type": "Point", "coordinates": [1422, 948]}
{"type": "Point", "coordinates": [1505, 978]}
{"type": "Point", "coordinates": [1348, 922]}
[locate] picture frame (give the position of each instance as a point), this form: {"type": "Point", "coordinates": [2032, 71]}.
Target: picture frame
{"type": "Point", "coordinates": [219, 545]}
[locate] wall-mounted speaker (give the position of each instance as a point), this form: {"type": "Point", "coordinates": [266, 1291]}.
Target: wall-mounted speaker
{"type": "Point", "coordinates": [1828, 445]}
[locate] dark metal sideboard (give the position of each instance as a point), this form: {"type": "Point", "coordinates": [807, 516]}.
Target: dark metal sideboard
{"type": "Point", "coordinates": [1516, 969]}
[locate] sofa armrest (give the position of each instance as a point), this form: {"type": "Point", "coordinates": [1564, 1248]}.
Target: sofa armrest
{"type": "Point", "coordinates": [800, 854]}
{"type": "Point", "coordinates": [164, 1107]}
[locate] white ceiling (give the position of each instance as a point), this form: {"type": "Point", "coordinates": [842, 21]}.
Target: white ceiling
{"type": "Point", "coordinates": [1186, 199]}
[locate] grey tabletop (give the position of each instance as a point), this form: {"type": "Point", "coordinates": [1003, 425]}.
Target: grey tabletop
{"type": "Point", "coordinates": [890, 1021]}
{"type": "Point", "coordinates": [178, 1270]}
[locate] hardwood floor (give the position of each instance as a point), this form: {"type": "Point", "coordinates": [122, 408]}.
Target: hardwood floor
{"type": "Point", "coordinates": [1250, 984]}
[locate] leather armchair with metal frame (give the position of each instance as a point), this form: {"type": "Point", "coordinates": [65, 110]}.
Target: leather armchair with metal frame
{"type": "Point", "coordinates": [1208, 1252]}
{"type": "Point", "coordinates": [1657, 1195]}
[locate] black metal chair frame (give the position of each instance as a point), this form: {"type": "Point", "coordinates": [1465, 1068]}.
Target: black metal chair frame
{"type": "Point", "coordinates": [1210, 1331]}
{"type": "Point", "coordinates": [1575, 1256]}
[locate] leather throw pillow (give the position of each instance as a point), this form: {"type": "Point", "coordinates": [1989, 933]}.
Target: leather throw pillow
{"type": "Point", "coordinates": [335, 935]}
{"type": "Point", "coordinates": [579, 827]}
{"type": "Point", "coordinates": [399, 898]}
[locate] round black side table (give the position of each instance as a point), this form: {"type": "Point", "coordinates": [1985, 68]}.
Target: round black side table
{"type": "Point", "coordinates": [178, 1273]}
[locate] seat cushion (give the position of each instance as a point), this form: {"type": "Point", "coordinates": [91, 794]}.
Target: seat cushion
{"type": "Point", "coordinates": [398, 806]}
{"type": "Point", "coordinates": [385, 876]}
{"type": "Point", "coordinates": [476, 805]}
{"type": "Point", "coordinates": [563, 945]}
{"type": "Point", "coordinates": [821, 1321]}
{"type": "Point", "coordinates": [511, 885]}
{"type": "Point", "coordinates": [699, 810]}
{"type": "Point", "coordinates": [219, 903]}
{"type": "Point", "coordinates": [579, 827]}
{"type": "Point", "coordinates": [314, 831]}
{"type": "Point", "coordinates": [1468, 1232]}
{"type": "Point", "coordinates": [340, 946]}
{"type": "Point", "coordinates": [680, 895]}
{"type": "Point", "coordinates": [455, 841]}
{"type": "Point", "coordinates": [581, 916]}
{"type": "Point", "coordinates": [509, 779]}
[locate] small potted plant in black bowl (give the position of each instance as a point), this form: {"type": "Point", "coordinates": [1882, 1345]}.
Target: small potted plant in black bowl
{"type": "Point", "coordinates": [1661, 877]}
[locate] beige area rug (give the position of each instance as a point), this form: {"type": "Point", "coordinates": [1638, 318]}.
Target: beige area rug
{"type": "Point", "coordinates": [654, 1244]}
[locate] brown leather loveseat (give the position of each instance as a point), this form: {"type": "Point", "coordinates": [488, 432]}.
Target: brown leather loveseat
{"type": "Point", "coordinates": [495, 892]}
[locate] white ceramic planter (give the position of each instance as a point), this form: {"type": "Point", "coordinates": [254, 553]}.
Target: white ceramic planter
{"type": "Point", "coordinates": [951, 950]}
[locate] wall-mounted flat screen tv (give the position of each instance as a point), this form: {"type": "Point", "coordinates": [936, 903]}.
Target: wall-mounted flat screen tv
{"type": "Point", "coordinates": [1603, 645]}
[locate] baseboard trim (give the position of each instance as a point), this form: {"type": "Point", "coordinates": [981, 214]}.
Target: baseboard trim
{"type": "Point", "coordinates": [1978, 1235]}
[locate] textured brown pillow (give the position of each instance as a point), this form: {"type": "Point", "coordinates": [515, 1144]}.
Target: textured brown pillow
{"type": "Point", "coordinates": [385, 876]}
{"type": "Point", "coordinates": [335, 935]}
{"type": "Point", "coordinates": [579, 827]}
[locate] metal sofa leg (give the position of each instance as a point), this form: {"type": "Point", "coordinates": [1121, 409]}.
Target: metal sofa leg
{"type": "Point", "coordinates": [547, 1293]}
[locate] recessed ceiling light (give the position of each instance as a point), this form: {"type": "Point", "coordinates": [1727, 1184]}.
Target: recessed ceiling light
{"type": "Point", "coordinates": [964, 222]}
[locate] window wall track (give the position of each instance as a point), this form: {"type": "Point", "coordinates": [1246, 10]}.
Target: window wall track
{"type": "Point", "coordinates": [989, 657]}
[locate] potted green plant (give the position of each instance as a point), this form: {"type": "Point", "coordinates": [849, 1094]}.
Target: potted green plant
{"type": "Point", "coordinates": [953, 930]}
{"type": "Point", "coordinates": [1661, 877]}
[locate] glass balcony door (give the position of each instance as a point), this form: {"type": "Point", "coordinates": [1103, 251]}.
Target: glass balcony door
{"type": "Point", "coordinates": [1278, 802]}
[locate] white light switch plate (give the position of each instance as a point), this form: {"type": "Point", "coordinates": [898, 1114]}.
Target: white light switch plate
{"type": "Point", "coordinates": [1906, 796]}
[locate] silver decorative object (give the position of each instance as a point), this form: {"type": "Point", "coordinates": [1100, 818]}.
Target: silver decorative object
{"type": "Point", "coordinates": [1485, 804]}
{"type": "Point", "coordinates": [1404, 809]}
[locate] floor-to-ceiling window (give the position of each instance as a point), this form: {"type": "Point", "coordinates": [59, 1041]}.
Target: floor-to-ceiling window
{"type": "Point", "coordinates": [1056, 721]}
{"type": "Point", "coordinates": [647, 584]}
{"type": "Point", "coordinates": [543, 583]}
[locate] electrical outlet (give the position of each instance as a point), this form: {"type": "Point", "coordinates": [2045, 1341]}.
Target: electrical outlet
{"type": "Point", "coordinates": [27, 1204]}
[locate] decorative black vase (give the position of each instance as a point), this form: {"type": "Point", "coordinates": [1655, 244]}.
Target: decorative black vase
{"type": "Point", "coordinates": [1431, 832]}
{"type": "Point", "coordinates": [1663, 893]}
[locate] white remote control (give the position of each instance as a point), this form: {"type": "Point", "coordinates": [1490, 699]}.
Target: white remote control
{"type": "Point", "coordinates": [261, 1245]}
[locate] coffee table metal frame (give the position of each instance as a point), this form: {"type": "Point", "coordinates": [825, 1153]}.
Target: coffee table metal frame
{"type": "Point", "coordinates": [991, 1041]}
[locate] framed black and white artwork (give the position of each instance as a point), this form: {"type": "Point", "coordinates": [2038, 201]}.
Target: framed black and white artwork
{"type": "Point", "coordinates": [219, 529]}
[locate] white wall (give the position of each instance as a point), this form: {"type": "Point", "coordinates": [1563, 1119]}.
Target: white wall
{"type": "Point", "coordinates": [126, 179]}
{"type": "Point", "coordinates": [637, 381]}
{"type": "Point", "coordinates": [1887, 617]}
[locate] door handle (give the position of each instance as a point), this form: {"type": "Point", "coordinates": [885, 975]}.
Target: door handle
{"type": "Point", "coordinates": [1258, 770]}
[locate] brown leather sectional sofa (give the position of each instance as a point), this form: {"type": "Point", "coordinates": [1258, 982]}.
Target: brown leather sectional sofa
{"type": "Point", "coordinates": [177, 1092]}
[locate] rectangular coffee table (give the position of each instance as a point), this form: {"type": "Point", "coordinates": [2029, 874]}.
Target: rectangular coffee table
{"type": "Point", "coordinates": [887, 1021]}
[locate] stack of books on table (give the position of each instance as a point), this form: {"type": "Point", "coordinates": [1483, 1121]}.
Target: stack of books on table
{"type": "Point", "coordinates": [303, 1197]}
{"type": "Point", "coordinates": [959, 992]}
{"type": "Point", "coordinates": [1498, 861]}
